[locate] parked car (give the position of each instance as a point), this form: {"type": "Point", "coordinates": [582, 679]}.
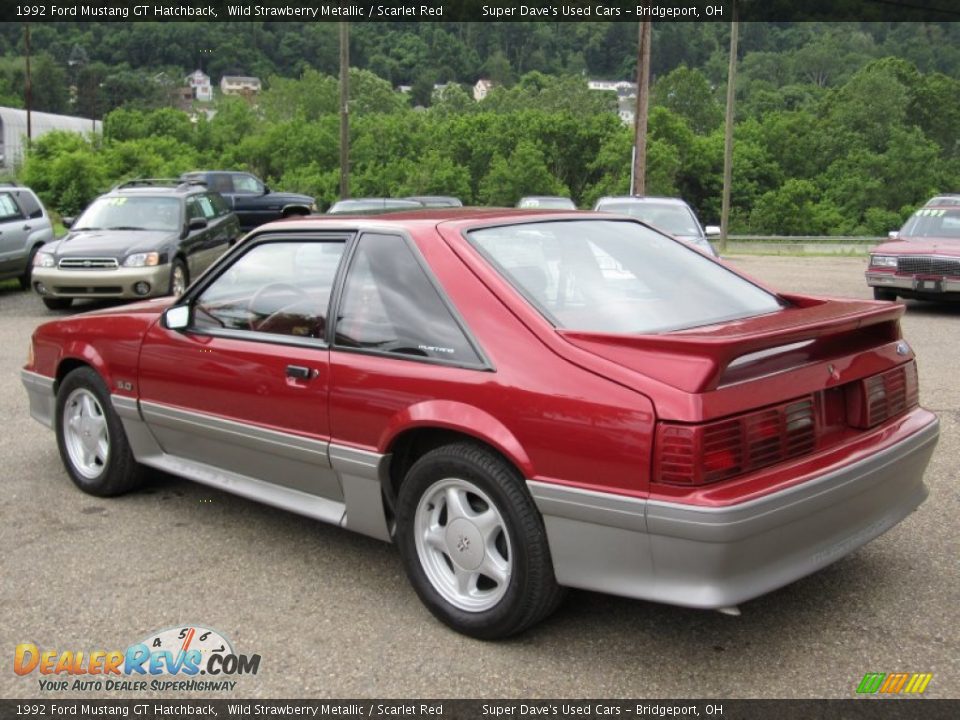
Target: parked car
{"type": "Point", "coordinates": [24, 228]}
{"type": "Point", "coordinates": [372, 206]}
{"type": "Point", "coordinates": [476, 390]}
{"type": "Point", "coordinates": [942, 200]}
{"type": "Point", "coordinates": [143, 238]}
{"type": "Point", "coordinates": [671, 215]}
{"type": "Point", "coordinates": [546, 202]}
{"type": "Point", "coordinates": [250, 198]}
{"type": "Point", "coordinates": [436, 201]}
{"type": "Point", "coordinates": [922, 260]}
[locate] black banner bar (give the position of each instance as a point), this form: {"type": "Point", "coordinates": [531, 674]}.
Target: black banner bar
{"type": "Point", "coordinates": [854, 709]}
{"type": "Point", "coordinates": [476, 10]}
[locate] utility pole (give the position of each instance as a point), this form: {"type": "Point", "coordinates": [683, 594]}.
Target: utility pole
{"type": "Point", "coordinates": [638, 184]}
{"type": "Point", "coordinates": [728, 131]}
{"type": "Point", "coordinates": [28, 90]}
{"type": "Point", "coordinates": [344, 110]}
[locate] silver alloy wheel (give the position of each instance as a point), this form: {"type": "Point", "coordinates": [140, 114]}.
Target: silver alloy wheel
{"type": "Point", "coordinates": [85, 433]}
{"type": "Point", "coordinates": [178, 284]}
{"type": "Point", "coordinates": [463, 545]}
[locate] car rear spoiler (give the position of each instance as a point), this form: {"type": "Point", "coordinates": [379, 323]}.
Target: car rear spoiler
{"type": "Point", "coordinates": [702, 359]}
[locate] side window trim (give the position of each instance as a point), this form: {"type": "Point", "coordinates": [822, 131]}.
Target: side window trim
{"type": "Point", "coordinates": [189, 299]}
{"type": "Point", "coordinates": [336, 298]}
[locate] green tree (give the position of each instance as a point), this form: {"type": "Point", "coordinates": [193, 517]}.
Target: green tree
{"type": "Point", "coordinates": [688, 93]}
{"type": "Point", "coordinates": [524, 173]}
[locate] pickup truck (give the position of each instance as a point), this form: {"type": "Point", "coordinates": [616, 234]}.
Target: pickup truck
{"type": "Point", "coordinates": [250, 198]}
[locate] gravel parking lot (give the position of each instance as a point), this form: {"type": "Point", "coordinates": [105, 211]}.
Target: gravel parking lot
{"type": "Point", "coordinates": [332, 615]}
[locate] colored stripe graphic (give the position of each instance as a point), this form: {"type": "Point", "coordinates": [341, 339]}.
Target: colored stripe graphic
{"type": "Point", "coordinates": [894, 683]}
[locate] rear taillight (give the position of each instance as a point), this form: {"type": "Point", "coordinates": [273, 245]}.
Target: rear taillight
{"type": "Point", "coordinates": [703, 454]}
{"type": "Point", "coordinates": [880, 397]}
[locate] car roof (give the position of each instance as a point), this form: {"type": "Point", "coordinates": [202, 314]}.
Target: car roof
{"type": "Point", "coordinates": [643, 199]}
{"type": "Point", "coordinates": [944, 200]}
{"type": "Point", "coordinates": [446, 200]}
{"type": "Point", "coordinates": [430, 217]}
{"type": "Point", "coordinates": [157, 187]}
{"type": "Point", "coordinates": [371, 205]}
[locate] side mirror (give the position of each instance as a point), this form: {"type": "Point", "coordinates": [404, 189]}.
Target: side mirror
{"type": "Point", "coordinates": [177, 317]}
{"type": "Point", "coordinates": [266, 189]}
{"type": "Point", "coordinates": [894, 235]}
{"type": "Point", "coordinates": [197, 224]}
{"type": "Point", "coordinates": [68, 221]}
{"type": "Point", "coordinates": [712, 231]}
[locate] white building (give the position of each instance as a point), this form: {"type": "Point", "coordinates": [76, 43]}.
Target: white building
{"type": "Point", "coordinates": [200, 82]}
{"type": "Point", "coordinates": [13, 131]}
{"type": "Point", "coordinates": [239, 85]}
{"type": "Point", "coordinates": [481, 89]}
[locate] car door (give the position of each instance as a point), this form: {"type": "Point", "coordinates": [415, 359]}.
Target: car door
{"type": "Point", "coordinates": [217, 236]}
{"type": "Point", "coordinates": [253, 203]}
{"type": "Point", "coordinates": [241, 391]}
{"type": "Point", "coordinates": [14, 229]}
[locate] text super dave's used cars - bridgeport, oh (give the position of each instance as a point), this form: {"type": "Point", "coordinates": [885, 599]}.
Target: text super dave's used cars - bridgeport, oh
{"type": "Point", "coordinates": [521, 400]}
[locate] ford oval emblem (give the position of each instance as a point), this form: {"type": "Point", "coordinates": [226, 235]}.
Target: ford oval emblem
{"type": "Point", "coordinates": [903, 348]}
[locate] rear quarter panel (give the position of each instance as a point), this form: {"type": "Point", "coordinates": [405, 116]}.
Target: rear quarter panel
{"type": "Point", "coordinates": [557, 422]}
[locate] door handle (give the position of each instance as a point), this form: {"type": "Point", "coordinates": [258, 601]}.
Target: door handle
{"type": "Point", "coordinates": [300, 372]}
{"type": "Point", "coordinates": [26, 227]}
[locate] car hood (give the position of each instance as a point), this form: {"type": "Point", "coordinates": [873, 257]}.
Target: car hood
{"type": "Point", "coordinates": [110, 243]}
{"type": "Point", "coordinates": [288, 197]}
{"type": "Point", "coordinates": [919, 246]}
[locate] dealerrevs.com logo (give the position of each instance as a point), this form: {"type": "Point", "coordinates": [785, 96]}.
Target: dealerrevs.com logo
{"type": "Point", "coordinates": [168, 660]}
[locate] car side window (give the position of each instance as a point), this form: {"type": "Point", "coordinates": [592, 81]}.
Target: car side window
{"type": "Point", "coordinates": [8, 208]}
{"type": "Point", "coordinates": [219, 204]}
{"type": "Point", "coordinates": [193, 209]}
{"type": "Point", "coordinates": [247, 184]}
{"type": "Point", "coordinates": [220, 183]}
{"type": "Point", "coordinates": [206, 207]}
{"type": "Point", "coordinates": [390, 305]}
{"type": "Point", "coordinates": [29, 205]}
{"type": "Point", "coordinates": [280, 288]}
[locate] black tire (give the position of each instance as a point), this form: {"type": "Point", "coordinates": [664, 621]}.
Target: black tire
{"type": "Point", "coordinates": [178, 266]}
{"type": "Point", "coordinates": [55, 303]}
{"type": "Point", "coordinates": [84, 411]}
{"type": "Point", "coordinates": [884, 294]}
{"type": "Point", "coordinates": [503, 608]}
{"type": "Point", "coordinates": [27, 275]}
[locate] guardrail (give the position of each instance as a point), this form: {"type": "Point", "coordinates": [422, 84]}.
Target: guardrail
{"type": "Point", "coordinates": [801, 244]}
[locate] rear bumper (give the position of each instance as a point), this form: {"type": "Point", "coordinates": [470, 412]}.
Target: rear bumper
{"type": "Point", "coordinates": [117, 283]}
{"type": "Point", "coordinates": [710, 557]}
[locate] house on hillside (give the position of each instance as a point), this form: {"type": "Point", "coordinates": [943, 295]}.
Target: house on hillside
{"type": "Point", "coordinates": [239, 85]}
{"type": "Point", "coordinates": [482, 88]}
{"type": "Point", "coordinates": [199, 81]}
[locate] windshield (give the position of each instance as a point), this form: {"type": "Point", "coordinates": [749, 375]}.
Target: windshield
{"type": "Point", "coordinates": [933, 222]}
{"type": "Point", "coordinates": [131, 213]}
{"type": "Point", "coordinates": [617, 276]}
{"type": "Point", "coordinates": [674, 219]}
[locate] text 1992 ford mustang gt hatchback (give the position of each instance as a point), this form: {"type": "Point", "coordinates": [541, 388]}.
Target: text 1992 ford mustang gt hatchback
{"type": "Point", "coordinates": [522, 401]}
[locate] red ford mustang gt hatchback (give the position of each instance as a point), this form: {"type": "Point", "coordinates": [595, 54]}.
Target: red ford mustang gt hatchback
{"type": "Point", "coordinates": [522, 401]}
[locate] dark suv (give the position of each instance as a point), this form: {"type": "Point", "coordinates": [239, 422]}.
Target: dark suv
{"type": "Point", "coordinates": [143, 238]}
{"type": "Point", "coordinates": [250, 198]}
